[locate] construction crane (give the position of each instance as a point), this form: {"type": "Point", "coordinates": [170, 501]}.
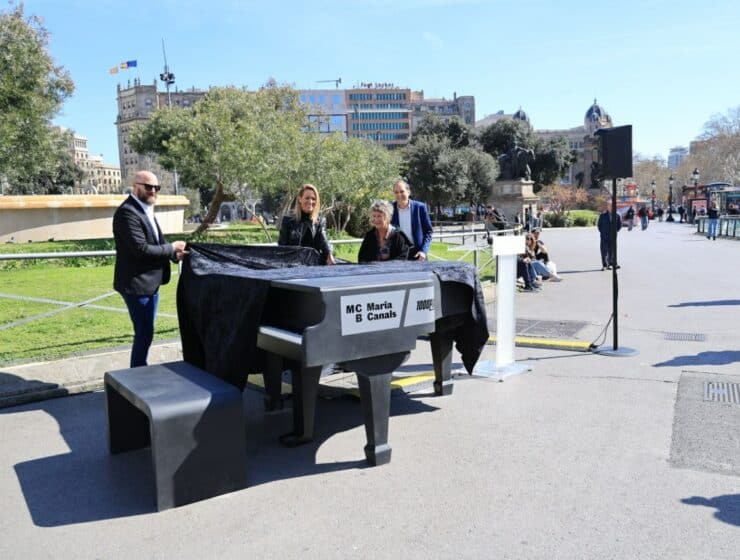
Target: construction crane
{"type": "Point", "coordinates": [336, 82]}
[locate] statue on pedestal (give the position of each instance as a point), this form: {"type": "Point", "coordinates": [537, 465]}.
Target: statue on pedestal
{"type": "Point", "coordinates": [515, 163]}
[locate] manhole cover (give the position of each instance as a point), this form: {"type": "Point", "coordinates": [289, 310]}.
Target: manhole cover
{"type": "Point", "coordinates": [549, 329]}
{"type": "Point", "coordinates": [685, 336]}
{"type": "Point", "coordinates": [719, 391]}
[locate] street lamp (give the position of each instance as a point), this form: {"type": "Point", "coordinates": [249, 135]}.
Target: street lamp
{"type": "Point", "coordinates": [695, 177]}
{"type": "Point", "coordinates": [670, 199]}
{"type": "Point", "coordinates": [652, 196]}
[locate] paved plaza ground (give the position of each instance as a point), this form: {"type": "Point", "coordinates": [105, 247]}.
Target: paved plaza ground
{"type": "Point", "coordinates": [585, 456]}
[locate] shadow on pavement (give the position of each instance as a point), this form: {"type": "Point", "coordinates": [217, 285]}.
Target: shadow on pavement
{"type": "Point", "coordinates": [89, 484]}
{"type": "Point", "coordinates": [719, 358]}
{"type": "Point", "coordinates": [710, 303]}
{"type": "Point", "coordinates": [727, 506]}
{"type": "Point", "coordinates": [561, 272]}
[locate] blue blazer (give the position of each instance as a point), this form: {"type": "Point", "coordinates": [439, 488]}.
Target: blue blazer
{"type": "Point", "coordinates": [421, 225]}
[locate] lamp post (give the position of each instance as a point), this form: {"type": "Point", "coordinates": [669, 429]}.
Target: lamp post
{"type": "Point", "coordinates": [670, 199]}
{"type": "Point", "coordinates": [695, 177]}
{"type": "Point", "coordinates": [652, 196]}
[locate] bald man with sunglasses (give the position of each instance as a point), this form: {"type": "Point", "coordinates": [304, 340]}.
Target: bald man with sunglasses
{"type": "Point", "coordinates": [142, 260]}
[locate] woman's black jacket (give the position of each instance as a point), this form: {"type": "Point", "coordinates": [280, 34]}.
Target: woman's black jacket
{"type": "Point", "coordinates": [304, 233]}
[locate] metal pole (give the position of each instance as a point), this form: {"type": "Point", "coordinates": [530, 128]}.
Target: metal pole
{"type": "Point", "coordinates": [615, 350]}
{"type": "Point", "coordinates": [613, 258]}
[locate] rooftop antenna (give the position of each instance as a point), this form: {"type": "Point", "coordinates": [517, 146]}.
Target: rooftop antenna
{"type": "Point", "coordinates": [336, 82]}
{"type": "Point", "coordinates": [168, 78]}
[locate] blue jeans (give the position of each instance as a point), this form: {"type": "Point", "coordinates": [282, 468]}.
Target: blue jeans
{"type": "Point", "coordinates": [142, 310]}
{"type": "Point", "coordinates": [540, 269]}
{"type": "Point", "coordinates": [712, 231]}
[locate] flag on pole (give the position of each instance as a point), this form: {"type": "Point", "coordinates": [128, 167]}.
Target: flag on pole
{"type": "Point", "coordinates": [114, 70]}
{"type": "Point", "coordinates": [128, 64]}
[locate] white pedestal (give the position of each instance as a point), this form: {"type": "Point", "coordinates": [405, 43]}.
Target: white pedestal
{"type": "Point", "coordinates": [506, 248]}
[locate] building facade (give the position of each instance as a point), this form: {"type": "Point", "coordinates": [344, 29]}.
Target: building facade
{"type": "Point", "coordinates": [98, 177]}
{"type": "Point", "coordinates": [380, 112]}
{"type": "Point", "coordinates": [462, 107]}
{"type": "Point", "coordinates": [676, 156]}
{"type": "Point", "coordinates": [581, 139]}
{"type": "Point", "coordinates": [327, 109]}
{"type": "Point", "coordinates": [135, 105]}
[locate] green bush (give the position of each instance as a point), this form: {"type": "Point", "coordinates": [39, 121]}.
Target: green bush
{"type": "Point", "coordinates": [553, 219]}
{"type": "Point", "coordinates": [584, 218]}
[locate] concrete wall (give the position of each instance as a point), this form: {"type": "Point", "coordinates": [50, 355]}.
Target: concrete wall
{"type": "Point", "coordinates": [44, 217]}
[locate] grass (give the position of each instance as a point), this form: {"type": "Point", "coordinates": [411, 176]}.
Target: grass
{"type": "Point", "coordinates": [80, 330]}
{"type": "Point", "coordinates": [584, 217]}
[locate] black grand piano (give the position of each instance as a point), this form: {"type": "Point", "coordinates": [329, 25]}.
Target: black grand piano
{"type": "Point", "coordinates": [246, 310]}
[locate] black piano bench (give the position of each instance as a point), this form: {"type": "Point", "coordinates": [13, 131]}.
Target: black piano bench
{"type": "Point", "coordinates": [193, 421]}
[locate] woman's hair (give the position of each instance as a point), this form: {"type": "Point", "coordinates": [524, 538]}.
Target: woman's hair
{"type": "Point", "coordinates": [297, 212]}
{"type": "Point", "coordinates": [383, 206]}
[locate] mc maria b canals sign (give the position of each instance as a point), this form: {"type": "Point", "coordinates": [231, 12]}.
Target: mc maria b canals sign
{"type": "Point", "coordinates": [377, 311]}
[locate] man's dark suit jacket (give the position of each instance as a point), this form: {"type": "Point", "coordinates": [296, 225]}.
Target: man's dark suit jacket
{"type": "Point", "coordinates": [142, 255]}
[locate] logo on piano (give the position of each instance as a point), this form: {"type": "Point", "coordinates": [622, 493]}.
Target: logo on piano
{"type": "Point", "coordinates": [370, 312]}
{"type": "Point", "coordinates": [420, 309]}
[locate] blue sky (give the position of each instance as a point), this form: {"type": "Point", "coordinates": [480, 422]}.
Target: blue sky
{"type": "Point", "coordinates": [663, 66]}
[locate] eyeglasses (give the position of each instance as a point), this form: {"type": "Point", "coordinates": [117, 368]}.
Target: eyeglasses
{"type": "Point", "coordinates": [149, 187]}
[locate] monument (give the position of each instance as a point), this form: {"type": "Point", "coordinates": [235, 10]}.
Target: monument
{"type": "Point", "coordinates": [513, 191]}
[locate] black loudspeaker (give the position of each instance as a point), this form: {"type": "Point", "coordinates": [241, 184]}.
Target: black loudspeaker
{"type": "Point", "coordinates": [615, 152]}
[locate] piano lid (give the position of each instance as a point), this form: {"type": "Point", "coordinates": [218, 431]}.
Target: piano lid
{"type": "Point", "coordinates": [364, 281]}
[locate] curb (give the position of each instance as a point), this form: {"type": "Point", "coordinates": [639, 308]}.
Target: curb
{"type": "Point", "coordinates": [549, 343]}
{"type": "Point", "coordinates": [38, 381]}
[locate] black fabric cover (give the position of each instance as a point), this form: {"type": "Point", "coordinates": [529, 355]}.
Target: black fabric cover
{"type": "Point", "coordinates": [223, 289]}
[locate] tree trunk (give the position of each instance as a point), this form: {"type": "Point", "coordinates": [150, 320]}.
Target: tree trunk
{"type": "Point", "coordinates": [261, 222]}
{"type": "Point", "coordinates": [218, 198]}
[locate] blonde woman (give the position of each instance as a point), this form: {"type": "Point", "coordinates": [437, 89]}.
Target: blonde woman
{"type": "Point", "coordinates": [305, 228]}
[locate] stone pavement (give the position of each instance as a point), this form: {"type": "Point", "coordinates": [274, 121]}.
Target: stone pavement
{"type": "Point", "coordinates": [586, 456]}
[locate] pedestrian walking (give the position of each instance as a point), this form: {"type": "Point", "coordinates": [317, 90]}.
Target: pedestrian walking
{"type": "Point", "coordinates": [629, 217]}
{"type": "Point", "coordinates": [681, 212]}
{"type": "Point", "coordinates": [643, 215]}
{"type": "Point", "coordinates": [713, 215]}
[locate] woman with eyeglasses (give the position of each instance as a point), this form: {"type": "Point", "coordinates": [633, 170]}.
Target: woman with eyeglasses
{"type": "Point", "coordinates": [384, 242]}
{"type": "Point", "coordinates": [304, 227]}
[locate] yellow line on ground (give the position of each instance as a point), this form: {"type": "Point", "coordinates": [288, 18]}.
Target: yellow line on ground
{"type": "Point", "coordinates": [401, 382]}
{"type": "Point", "coordinates": [577, 345]}
{"type": "Point", "coordinates": [396, 383]}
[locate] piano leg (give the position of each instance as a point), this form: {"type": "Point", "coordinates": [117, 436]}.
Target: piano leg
{"type": "Point", "coordinates": [375, 394]}
{"type": "Point", "coordinates": [442, 356]}
{"type": "Point", "coordinates": [305, 391]}
{"type": "Point", "coordinates": [273, 379]}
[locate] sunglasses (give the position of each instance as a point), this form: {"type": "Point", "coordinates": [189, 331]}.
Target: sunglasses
{"type": "Point", "coordinates": [149, 187]}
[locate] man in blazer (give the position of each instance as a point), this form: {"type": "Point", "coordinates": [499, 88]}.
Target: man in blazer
{"type": "Point", "coordinates": [142, 260]}
{"type": "Point", "coordinates": [412, 218]}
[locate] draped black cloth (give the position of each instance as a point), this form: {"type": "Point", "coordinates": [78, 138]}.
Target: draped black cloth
{"type": "Point", "coordinates": [223, 290]}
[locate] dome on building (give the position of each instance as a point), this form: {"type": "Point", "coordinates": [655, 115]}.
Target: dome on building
{"type": "Point", "coordinates": [596, 117]}
{"type": "Point", "coordinates": [596, 113]}
{"type": "Point", "coordinates": [520, 115]}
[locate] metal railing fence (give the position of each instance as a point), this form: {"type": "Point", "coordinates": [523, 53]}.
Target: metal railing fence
{"type": "Point", "coordinates": [729, 226]}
